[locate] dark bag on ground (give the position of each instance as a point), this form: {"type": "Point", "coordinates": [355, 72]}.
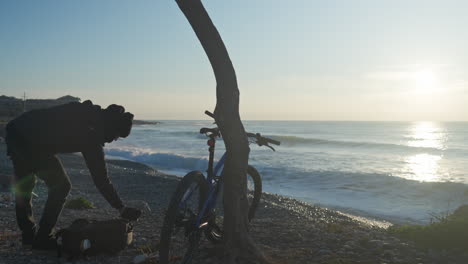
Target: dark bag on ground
{"type": "Point", "coordinates": [92, 237]}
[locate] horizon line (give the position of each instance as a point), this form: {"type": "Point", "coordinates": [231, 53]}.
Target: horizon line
{"type": "Point", "coordinates": [316, 120]}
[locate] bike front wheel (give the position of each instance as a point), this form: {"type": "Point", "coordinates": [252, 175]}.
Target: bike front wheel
{"type": "Point", "coordinates": [180, 235]}
{"type": "Point", "coordinates": [214, 232]}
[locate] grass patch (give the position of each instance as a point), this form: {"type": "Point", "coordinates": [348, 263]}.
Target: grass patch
{"type": "Point", "coordinates": [450, 232]}
{"type": "Point", "coordinates": [335, 228]}
{"type": "Point", "coordinates": [79, 203]}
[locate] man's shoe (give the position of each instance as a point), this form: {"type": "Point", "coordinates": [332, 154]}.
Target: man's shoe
{"type": "Point", "coordinates": [27, 237]}
{"type": "Point", "coordinates": [45, 245]}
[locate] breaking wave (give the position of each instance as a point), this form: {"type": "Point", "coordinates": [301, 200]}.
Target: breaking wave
{"type": "Point", "coordinates": [294, 141]}
{"type": "Point", "coordinates": [160, 160]}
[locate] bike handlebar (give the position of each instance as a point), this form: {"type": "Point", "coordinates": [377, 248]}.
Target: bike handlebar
{"type": "Point", "coordinates": [208, 113]}
{"type": "Point", "coordinates": [261, 141]}
{"type": "Point", "coordinates": [214, 131]}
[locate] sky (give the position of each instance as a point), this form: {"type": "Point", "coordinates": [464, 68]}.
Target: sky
{"type": "Point", "coordinates": [295, 60]}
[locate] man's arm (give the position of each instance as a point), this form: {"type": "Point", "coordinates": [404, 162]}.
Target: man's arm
{"type": "Point", "coordinates": [94, 157]}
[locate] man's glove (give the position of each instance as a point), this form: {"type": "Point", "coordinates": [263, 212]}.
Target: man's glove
{"type": "Point", "coordinates": [129, 213]}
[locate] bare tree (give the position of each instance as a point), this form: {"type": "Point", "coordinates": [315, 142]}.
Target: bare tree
{"type": "Point", "coordinates": [238, 245]}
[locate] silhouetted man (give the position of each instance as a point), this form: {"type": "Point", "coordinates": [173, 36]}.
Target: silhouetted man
{"type": "Point", "coordinates": [33, 140]}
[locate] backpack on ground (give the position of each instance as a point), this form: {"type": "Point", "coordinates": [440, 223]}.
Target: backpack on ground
{"type": "Point", "coordinates": [91, 237]}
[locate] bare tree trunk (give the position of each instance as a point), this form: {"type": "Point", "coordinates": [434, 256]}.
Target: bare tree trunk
{"type": "Point", "coordinates": [239, 247]}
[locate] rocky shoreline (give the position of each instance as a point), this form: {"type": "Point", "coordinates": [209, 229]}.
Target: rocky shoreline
{"type": "Point", "coordinates": [287, 230]}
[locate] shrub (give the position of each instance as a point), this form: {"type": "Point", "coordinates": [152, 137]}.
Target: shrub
{"type": "Point", "coordinates": [450, 233]}
{"type": "Point", "coordinates": [79, 203]}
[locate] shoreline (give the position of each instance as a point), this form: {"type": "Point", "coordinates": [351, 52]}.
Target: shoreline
{"type": "Point", "coordinates": [285, 229]}
{"type": "Point", "coordinates": [382, 221]}
{"type": "Point", "coordinates": [367, 219]}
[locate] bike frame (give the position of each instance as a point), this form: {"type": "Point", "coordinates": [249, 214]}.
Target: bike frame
{"type": "Point", "coordinates": [215, 183]}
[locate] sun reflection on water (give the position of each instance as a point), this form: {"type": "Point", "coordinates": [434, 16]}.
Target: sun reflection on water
{"type": "Point", "coordinates": [425, 166]}
{"type": "Point", "coordinates": [427, 135]}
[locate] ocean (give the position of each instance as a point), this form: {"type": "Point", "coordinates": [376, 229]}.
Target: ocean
{"type": "Point", "coordinates": [403, 172]}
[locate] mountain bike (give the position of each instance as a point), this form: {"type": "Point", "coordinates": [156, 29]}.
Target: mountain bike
{"type": "Point", "coordinates": [194, 208]}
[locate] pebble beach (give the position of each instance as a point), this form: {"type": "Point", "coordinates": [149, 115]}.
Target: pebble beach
{"type": "Point", "coordinates": [286, 230]}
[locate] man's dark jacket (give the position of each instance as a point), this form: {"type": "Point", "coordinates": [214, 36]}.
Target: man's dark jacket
{"type": "Point", "coordinates": [72, 127]}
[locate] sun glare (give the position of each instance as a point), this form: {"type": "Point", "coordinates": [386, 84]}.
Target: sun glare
{"type": "Point", "coordinates": [425, 77]}
{"type": "Point", "coordinates": [425, 80]}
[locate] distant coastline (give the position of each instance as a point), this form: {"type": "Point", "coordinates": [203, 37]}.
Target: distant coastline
{"type": "Point", "coordinates": [11, 107]}
{"type": "Point", "coordinates": [135, 122]}
{"type": "Point", "coordinates": [145, 122]}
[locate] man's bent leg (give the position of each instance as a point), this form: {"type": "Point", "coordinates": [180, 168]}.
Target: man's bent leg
{"type": "Point", "coordinates": [23, 186]}
{"type": "Point", "coordinates": [51, 171]}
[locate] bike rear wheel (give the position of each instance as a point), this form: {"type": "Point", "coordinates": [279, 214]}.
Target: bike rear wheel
{"type": "Point", "coordinates": [180, 235]}
{"type": "Point", "coordinates": [214, 232]}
